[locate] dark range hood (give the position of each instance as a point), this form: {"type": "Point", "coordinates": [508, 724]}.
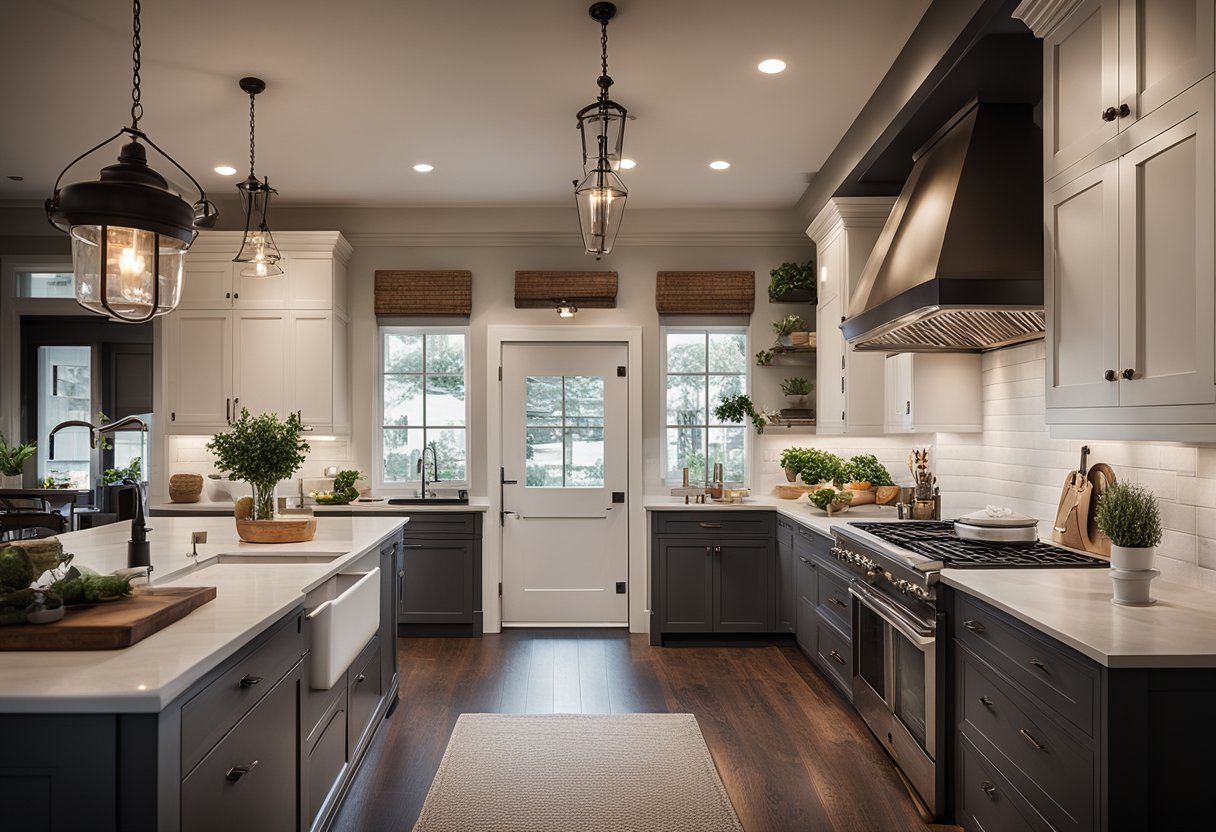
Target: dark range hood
{"type": "Point", "coordinates": [959, 264]}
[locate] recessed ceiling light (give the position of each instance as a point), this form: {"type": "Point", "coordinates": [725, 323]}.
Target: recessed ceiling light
{"type": "Point", "coordinates": [423, 167]}
{"type": "Point", "coordinates": [628, 164]}
{"type": "Point", "coordinates": [225, 170]}
{"type": "Point", "coordinates": [719, 165]}
{"type": "Point", "coordinates": [771, 66]}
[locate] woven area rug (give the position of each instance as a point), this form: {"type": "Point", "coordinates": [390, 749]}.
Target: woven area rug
{"type": "Point", "coordinates": [585, 772]}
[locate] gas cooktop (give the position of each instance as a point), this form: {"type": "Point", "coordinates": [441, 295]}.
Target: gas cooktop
{"type": "Point", "coordinates": [937, 540]}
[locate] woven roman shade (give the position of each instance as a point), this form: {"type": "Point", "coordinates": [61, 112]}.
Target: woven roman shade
{"type": "Point", "coordinates": [705, 293]}
{"type": "Point", "coordinates": [444, 293]}
{"type": "Point", "coordinates": [588, 290]}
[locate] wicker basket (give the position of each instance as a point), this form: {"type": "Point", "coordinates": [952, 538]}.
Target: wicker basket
{"type": "Point", "coordinates": [185, 488]}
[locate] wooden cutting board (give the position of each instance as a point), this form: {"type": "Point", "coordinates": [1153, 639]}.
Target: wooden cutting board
{"type": "Point", "coordinates": [791, 491]}
{"type": "Point", "coordinates": [1101, 477]}
{"type": "Point", "coordinates": [112, 625]}
{"type": "Point", "coordinates": [1071, 526]}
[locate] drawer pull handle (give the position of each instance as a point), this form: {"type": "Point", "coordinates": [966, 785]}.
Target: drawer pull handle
{"type": "Point", "coordinates": [1038, 746]}
{"type": "Point", "coordinates": [973, 625]}
{"type": "Point", "coordinates": [988, 788]}
{"type": "Point", "coordinates": [837, 602]}
{"type": "Point", "coordinates": [248, 681]}
{"type": "Point", "coordinates": [710, 525]}
{"type": "Point", "coordinates": [361, 677]}
{"type": "Point", "coordinates": [986, 702]}
{"type": "Point", "coordinates": [804, 560]}
{"type": "Point", "coordinates": [1039, 665]}
{"type": "Point", "coordinates": [237, 772]}
{"type": "Point", "coordinates": [839, 659]}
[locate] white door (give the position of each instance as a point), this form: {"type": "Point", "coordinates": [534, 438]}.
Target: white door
{"type": "Point", "coordinates": [565, 533]}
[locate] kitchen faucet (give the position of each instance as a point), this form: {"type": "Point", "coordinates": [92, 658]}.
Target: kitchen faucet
{"type": "Point", "coordinates": [422, 468]}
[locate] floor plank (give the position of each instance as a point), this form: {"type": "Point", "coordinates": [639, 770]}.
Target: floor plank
{"type": "Point", "coordinates": [791, 751]}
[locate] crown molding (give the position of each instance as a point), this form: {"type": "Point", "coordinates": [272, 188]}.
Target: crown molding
{"type": "Point", "coordinates": [846, 212]}
{"type": "Point", "coordinates": [551, 239]}
{"type": "Point", "coordinates": [1041, 16]}
{"type": "Point", "coordinates": [324, 242]}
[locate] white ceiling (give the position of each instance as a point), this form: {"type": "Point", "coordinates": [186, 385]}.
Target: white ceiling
{"type": "Point", "coordinates": [361, 90]}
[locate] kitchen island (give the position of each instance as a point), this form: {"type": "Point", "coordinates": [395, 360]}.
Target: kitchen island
{"type": "Point", "coordinates": [221, 719]}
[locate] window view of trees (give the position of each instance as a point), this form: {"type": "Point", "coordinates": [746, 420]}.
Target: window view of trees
{"type": "Point", "coordinates": [424, 404]}
{"type": "Point", "coordinates": [702, 367]}
{"type": "Point", "coordinates": [565, 432]}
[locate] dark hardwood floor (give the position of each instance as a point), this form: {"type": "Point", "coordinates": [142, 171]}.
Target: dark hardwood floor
{"type": "Point", "coordinates": [792, 753]}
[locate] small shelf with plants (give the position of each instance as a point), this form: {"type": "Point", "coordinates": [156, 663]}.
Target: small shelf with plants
{"type": "Point", "coordinates": [792, 339]}
{"type": "Point", "coordinates": [793, 283]}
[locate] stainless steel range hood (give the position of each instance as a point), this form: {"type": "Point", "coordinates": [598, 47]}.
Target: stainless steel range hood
{"type": "Point", "coordinates": [959, 264]}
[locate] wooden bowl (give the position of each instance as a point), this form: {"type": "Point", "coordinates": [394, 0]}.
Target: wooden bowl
{"type": "Point", "coordinates": [279, 530]}
{"type": "Point", "coordinates": [185, 488]}
{"type": "Point", "coordinates": [885, 495]}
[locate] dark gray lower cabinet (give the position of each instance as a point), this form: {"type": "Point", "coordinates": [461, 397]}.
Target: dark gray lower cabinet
{"type": "Point", "coordinates": [440, 575]}
{"type": "Point", "coordinates": [743, 586]}
{"type": "Point", "coordinates": [43, 786]}
{"type": "Point", "coordinates": [684, 585]}
{"type": "Point", "coordinates": [787, 589]}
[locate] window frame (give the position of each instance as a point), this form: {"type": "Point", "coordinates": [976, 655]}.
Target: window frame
{"type": "Point", "coordinates": [405, 487]}
{"type": "Point", "coordinates": [708, 329]}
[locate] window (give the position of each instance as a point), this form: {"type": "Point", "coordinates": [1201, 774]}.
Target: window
{"type": "Point", "coordinates": [565, 432]}
{"type": "Point", "coordinates": [422, 404]}
{"type": "Point", "coordinates": [45, 285]}
{"type": "Point", "coordinates": [700, 367]}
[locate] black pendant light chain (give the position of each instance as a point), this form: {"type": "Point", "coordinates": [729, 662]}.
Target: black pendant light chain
{"type": "Point", "coordinates": [252, 98]}
{"type": "Point", "coordinates": [604, 80]}
{"type": "Point", "coordinates": [137, 108]}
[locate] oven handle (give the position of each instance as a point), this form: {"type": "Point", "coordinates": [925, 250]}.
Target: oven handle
{"type": "Point", "coordinates": [914, 631]}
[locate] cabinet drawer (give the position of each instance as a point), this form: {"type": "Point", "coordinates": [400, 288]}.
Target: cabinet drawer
{"type": "Point", "coordinates": [834, 654]}
{"type": "Point", "coordinates": [363, 692]}
{"type": "Point", "coordinates": [216, 708]}
{"type": "Point", "coordinates": [1043, 753]}
{"type": "Point", "coordinates": [440, 524]}
{"type": "Point", "coordinates": [988, 802]}
{"type": "Point", "coordinates": [785, 532]}
{"type": "Point", "coordinates": [325, 763]}
{"type": "Point", "coordinates": [219, 795]}
{"type": "Point", "coordinates": [833, 600]}
{"type": "Point", "coordinates": [820, 544]}
{"type": "Point", "coordinates": [807, 580]}
{"type": "Point", "coordinates": [318, 706]}
{"type": "Point", "coordinates": [716, 523]}
{"type": "Point", "coordinates": [1043, 668]}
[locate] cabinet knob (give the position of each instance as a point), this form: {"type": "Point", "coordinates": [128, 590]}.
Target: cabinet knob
{"type": "Point", "coordinates": [1112, 113]}
{"type": "Point", "coordinates": [237, 772]}
{"type": "Point", "coordinates": [988, 788]}
{"type": "Point", "coordinates": [1110, 375]}
{"type": "Point", "coordinates": [248, 681]}
{"type": "Point", "coordinates": [1129, 374]}
{"type": "Point", "coordinates": [361, 677]}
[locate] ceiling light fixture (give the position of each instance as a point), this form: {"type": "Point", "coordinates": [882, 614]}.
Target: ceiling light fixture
{"type": "Point", "coordinates": [566, 309]}
{"type": "Point", "coordinates": [130, 232]}
{"type": "Point", "coordinates": [719, 165]}
{"type": "Point", "coordinates": [771, 66]}
{"type": "Point", "coordinates": [627, 164]}
{"type": "Point", "coordinates": [601, 195]}
{"type": "Point", "coordinates": [226, 170]}
{"type": "Point", "coordinates": [257, 246]}
{"type": "Point", "coordinates": [423, 167]}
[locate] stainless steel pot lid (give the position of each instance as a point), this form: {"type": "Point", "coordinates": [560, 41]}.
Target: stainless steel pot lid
{"type": "Point", "coordinates": [991, 518]}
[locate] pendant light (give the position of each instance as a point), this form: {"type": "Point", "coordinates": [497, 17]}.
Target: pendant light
{"type": "Point", "coordinates": [130, 232]}
{"type": "Point", "coordinates": [258, 250]}
{"type": "Point", "coordinates": [601, 195]}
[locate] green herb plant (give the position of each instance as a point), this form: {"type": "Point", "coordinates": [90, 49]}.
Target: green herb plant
{"type": "Point", "coordinates": [262, 451]}
{"type": "Point", "coordinates": [764, 358]}
{"type": "Point", "coordinates": [826, 496]}
{"type": "Point", "coordinates": [816, 466]}
{"type": "Point", "coordinates": [796, 387]}
{"type": "Point", "coordinates": [344, 486]}
{"type": "Point", "coordinates": [1128, 514]}
{"type": "Point", "coordinates": [739, 407]}
{"type": "Point", "coordinates": [786, 325]}
{"type": "Point", "coordinates": [13, 457]}
{"type": "Point", "coordinates": [789, 277]}
{"type": "Point", "coordinates": [867, 468]}
{"type": "Point", "coordinates": [113, 475]}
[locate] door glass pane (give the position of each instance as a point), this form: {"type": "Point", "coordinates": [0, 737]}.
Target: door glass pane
{"type": "Point", "coordinates": [403, 400]}
{"type": "Point", "coordinates": [402, 450]}
{"type": "Point", "coordinates": [686, 449]}
{"type": "Point", "coordinates": [727, 352]}
{"type": "Point", "coordinates": [65, 392]}
{"type": "Point", "coordinates": [448, 445]}
{"type": "Point", "coordinates": [726, 446]}
{"type": "Point", "coordinates": [871, 650]}
{"type": "Point", "coordinates": [444, 400]}
{"type": "Point", "coordinates": [910, 687]}
{"type": "Point", "coordinates": [564, 418]}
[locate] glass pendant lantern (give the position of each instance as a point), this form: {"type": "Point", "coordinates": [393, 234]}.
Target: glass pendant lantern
{"type": "Point", "coordinates": [130, 231]}
{"type": "Point", "coordinates": [258, 250]}
{"type": "Point", "coordinates": [601, 194]}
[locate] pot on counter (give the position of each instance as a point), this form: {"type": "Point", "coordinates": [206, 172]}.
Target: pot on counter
{"type": "Point", "coordinates": [991, 526]}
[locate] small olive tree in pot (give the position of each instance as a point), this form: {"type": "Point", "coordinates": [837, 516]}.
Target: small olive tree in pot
{"type": "Point", "coordinates": [263, 451]}
{"type": "Point", "coordinates": [1128, 514]}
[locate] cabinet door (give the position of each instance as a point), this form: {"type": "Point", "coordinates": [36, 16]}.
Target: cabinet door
{"type": "Point", "coordinates": [392, 572]}
{"type": "Point", "coordinates": [829, 369]}
{"type": "Point", "coordinates": [437, 582]}
{"type": "Point", "coordinates": [1081, 80]}
{"type": "Point", "coordinates": [206, 284]}
{"type": "Point", "coordinates": [260, 292]}
{"type": "Point", "coordinates": [1082, 290]}
{"type": "Point", "coordinates": [743, 586]}
{"type": "Point", "coordinates": [897, 371]}
{"type": "Point", "coordinates": [1165, 272]}
{"type": "Point", "coordinates": [1165, 46]}
{"type": "Point", "coordinates": [312, 282]}
{"type": "Point", "coordinates": [260, 366]}
{"type": "Point", "coordinates": [686, 585]}
{"type": "Point", "coordinates": [787, 590]}
{"type": "Point", "coordinates": [198, 357]}
{"type": "Point", "coordinates": [311, 369]}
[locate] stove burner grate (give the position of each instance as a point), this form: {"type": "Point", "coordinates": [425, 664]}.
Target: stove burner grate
{"type": "Point", "coordinates": [937, 540]}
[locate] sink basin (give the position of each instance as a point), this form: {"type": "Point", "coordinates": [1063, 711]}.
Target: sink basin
{"type": "Point", "coordinates": [247, 559]}
{"type": "Point", "coordinates": [422, 501]}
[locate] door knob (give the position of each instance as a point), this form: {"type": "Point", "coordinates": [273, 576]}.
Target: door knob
{"type": "Point", "coordinates": [1110, 375]}
{"type": "Point", "coordinates": [1129, 374]}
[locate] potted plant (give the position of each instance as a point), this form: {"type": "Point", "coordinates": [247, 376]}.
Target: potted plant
{"type": "Point", "coordinates": [737, 408]}
{"type": "Point", "coordinates": [764, 358]}
{"type": "Point", "coordinates": [343, 492]}
{"type": "Point", "coordinates": [791, 462]}
{"type": "Point", "coordinates": [784, 327]}
{"type": "Point", "coordinates": [796, 390]}
{"type": "Point", "coordinates": [831, 500]}
{"type": "Point", "coordinates": [818, 467]}
{"type": "Point", "coordinates": [13, 457]}
{"type": "Point", "coordinates": [262, 451]}
{"type": "Point", "coordinates": [792, 282]}
{"type": "Point", "coordinates": [1128, 514]}
{"type": "Point", "coordinates": [866, 472]}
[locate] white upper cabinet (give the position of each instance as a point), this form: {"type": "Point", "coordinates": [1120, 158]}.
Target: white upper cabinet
{"type": "Point", "coordinates": [934, 392]}
{"type": "Point", "coordinates": [1109, 63]}
{"type": "Point", "coordinates": [849, 387]}
{"type": "Point", "coordinates": [261, 361]}
{"type": "Point", "coordinates": [197, 345]}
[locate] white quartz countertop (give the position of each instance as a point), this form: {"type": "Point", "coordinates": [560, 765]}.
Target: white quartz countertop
{"type": "Point", "coordinates": [150, 674]}
{"type": "Point", "coordinates": [478, 504]}
{"type": "Point", "coordinates": [800, 511]}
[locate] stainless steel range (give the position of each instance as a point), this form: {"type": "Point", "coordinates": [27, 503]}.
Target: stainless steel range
{"type": "Point", "coordinates": [898, 670]}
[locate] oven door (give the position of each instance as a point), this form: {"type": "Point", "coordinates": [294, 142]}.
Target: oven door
{"type": "Point", "coordinates": [895, 684]}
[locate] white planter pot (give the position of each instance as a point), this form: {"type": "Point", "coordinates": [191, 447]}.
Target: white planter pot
{"type": "Point", "coordinates": [1132, 559]}
{"type": "Point", "coordinates": [785, 340]}
{"type": "Point", "coordinates": [1132, 588]}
